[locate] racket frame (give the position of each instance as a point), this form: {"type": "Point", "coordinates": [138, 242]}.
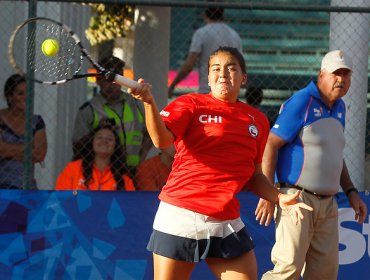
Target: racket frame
{"type": "Point", "coordinates": [101, 71]}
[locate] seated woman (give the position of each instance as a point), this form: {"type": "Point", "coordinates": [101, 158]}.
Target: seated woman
{"type": "Point", "coordinates": [102, 166]}
{"type": "Point", "coordinates": [12, 135]}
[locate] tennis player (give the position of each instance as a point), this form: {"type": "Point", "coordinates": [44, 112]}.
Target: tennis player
{"type": "Point", "coordinates": [219, 142]}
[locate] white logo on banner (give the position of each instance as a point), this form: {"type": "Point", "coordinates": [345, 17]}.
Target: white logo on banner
{"type": "Point", "coordinates": [353, 240]}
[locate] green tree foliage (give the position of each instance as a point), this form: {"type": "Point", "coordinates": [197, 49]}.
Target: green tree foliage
{"type": "Point", "coordinates": [109, 21]}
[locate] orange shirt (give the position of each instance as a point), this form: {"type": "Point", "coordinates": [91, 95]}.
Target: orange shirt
{"type": "Point", "coordinates": [71, 178]}
{"type": "Point", "coordinates": [151, 174]}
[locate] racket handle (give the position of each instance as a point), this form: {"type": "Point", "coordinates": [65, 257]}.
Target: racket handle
{"type": "Point", "coordinates": [123, 81]}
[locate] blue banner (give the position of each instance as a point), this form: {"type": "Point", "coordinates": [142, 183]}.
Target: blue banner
{"type": "Point", "coordinates": [103, 235]}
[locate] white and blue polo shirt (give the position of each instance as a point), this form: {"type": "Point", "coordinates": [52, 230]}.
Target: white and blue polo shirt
{"type": "Point", "coordinates": [313, 156]}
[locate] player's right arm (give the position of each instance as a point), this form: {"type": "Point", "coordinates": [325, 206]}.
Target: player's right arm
{"type": "Point", "coordinates": [161, 136]}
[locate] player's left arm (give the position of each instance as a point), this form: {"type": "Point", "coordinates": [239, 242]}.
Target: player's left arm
{"type": "Point", "coordinates": [358, 205]}
{"type": "Point", "coordinates": [161, 136]}
{"type": "Point", "coordinates": [260, 185]}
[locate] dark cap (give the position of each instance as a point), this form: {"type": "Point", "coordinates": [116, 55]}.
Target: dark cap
{"type": "Point", "coordinates": [113, 64]}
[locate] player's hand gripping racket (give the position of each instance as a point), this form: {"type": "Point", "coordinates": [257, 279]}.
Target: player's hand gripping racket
{"type": "Point", "coordinates": [49, 52]}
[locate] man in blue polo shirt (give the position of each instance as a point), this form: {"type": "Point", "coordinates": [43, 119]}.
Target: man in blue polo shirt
{"type": "Point", "coordinates": [304, 152]}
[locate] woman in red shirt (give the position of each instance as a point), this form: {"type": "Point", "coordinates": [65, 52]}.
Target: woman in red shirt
{"type": "Point", "coordinates": [102, 166]}
{"type": "Point", "coordinates": [219, 146]}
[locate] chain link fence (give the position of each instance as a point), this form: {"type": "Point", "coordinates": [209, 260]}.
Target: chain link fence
{"type": "Point", "coordinates": [283, 45]}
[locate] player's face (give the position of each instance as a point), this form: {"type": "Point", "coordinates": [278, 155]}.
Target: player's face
{"type": "Point", "coordinates": [334, 86]}
{"type": "Point", "coordinates": [225, 77]}
{"type": "Point", "coordinates": [18, 98]}
{"type": "Point", "coordinates": [104, 143]}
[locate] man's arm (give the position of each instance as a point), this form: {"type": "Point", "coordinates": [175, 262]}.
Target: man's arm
{"type": "Point", "coordinates": [265, 209]}
{"type": "Point", "coordinates": [353, 196]}
{"type": "Point", "coordinates": [345, 179]}
{"type": "Point", "coordinates": [269, 160]}
{"type": "Point", "coordinates": [185, 69]}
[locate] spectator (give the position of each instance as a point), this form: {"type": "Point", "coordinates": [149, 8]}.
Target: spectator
{"type": "Point", "coordinates": [101, 167]}
{"type": "Point", "coordinates": [304, 152]}
{"type": "Point", "coordinates": [206, 40]}
{"type": "Point", "coordinates": [253, 96]}
{"type": "Point", "coordinates": [12, 135]}
{"type": "Point", "coordinates": [118, 107]}
{"type": "Point", "coordinates": [219, 144]}
{"type": "Point", "coordinates": [152, 174]}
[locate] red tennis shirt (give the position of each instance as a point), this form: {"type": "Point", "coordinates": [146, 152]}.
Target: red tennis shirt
{"type": "Point", "coordinates": [218, 144]}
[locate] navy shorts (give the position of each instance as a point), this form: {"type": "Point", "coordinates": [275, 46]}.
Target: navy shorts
{"type": "Point", "coordinates": [185, 235]}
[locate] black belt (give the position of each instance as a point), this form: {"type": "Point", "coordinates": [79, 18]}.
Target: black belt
{"type": "Point", "coordinates": [285, 185]}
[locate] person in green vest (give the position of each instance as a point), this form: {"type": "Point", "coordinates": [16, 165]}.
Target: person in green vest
{"type": "Point", "coordinates": [115, 106]}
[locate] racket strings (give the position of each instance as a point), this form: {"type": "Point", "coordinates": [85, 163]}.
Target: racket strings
{"type": "Point", "coordinates": [63, 65]}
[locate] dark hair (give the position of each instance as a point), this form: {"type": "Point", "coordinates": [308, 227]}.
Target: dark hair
{"type": "Point", "coordinates": [117, 161]}
{"type": "Point", "coordinates": [234, 52]}
{"type": "Point", "coordinates": [216, 14]}
{"type": "Point", "coordinates": [113, 64]}
{"type": "Point", "coordinates": [11, 83]}
{"type": "Point", "coordinates": [253, 96]}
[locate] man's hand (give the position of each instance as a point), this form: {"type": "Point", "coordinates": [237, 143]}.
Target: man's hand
{"type": "Point", "coordinates": [289, 203]}
{"type": "Point", "coordinates": [358, 206]}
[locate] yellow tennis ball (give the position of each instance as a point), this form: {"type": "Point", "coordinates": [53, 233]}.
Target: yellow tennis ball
{"type": "Point", "coordinates": [50, 47]}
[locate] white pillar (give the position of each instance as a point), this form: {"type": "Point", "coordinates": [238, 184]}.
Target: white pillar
{"type": "Point", "coordinates": [151, 50]}
{"type": "Point", "coordinates": [12, 13]}
{"type": "Point", "coordinates": [58, 105]}
{"type": "Point", "coordinates": [349, 32]}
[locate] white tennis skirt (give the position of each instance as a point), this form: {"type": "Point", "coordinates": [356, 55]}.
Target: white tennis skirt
{"type": "Point", "coordinates": [185, 235]}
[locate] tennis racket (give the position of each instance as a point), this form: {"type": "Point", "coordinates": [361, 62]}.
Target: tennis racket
{"type": "Point", "coordinates": [27, 57]}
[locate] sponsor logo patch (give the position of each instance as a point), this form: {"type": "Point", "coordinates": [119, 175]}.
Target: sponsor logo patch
{"type": "Point", "coordinates": [317, 112]}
